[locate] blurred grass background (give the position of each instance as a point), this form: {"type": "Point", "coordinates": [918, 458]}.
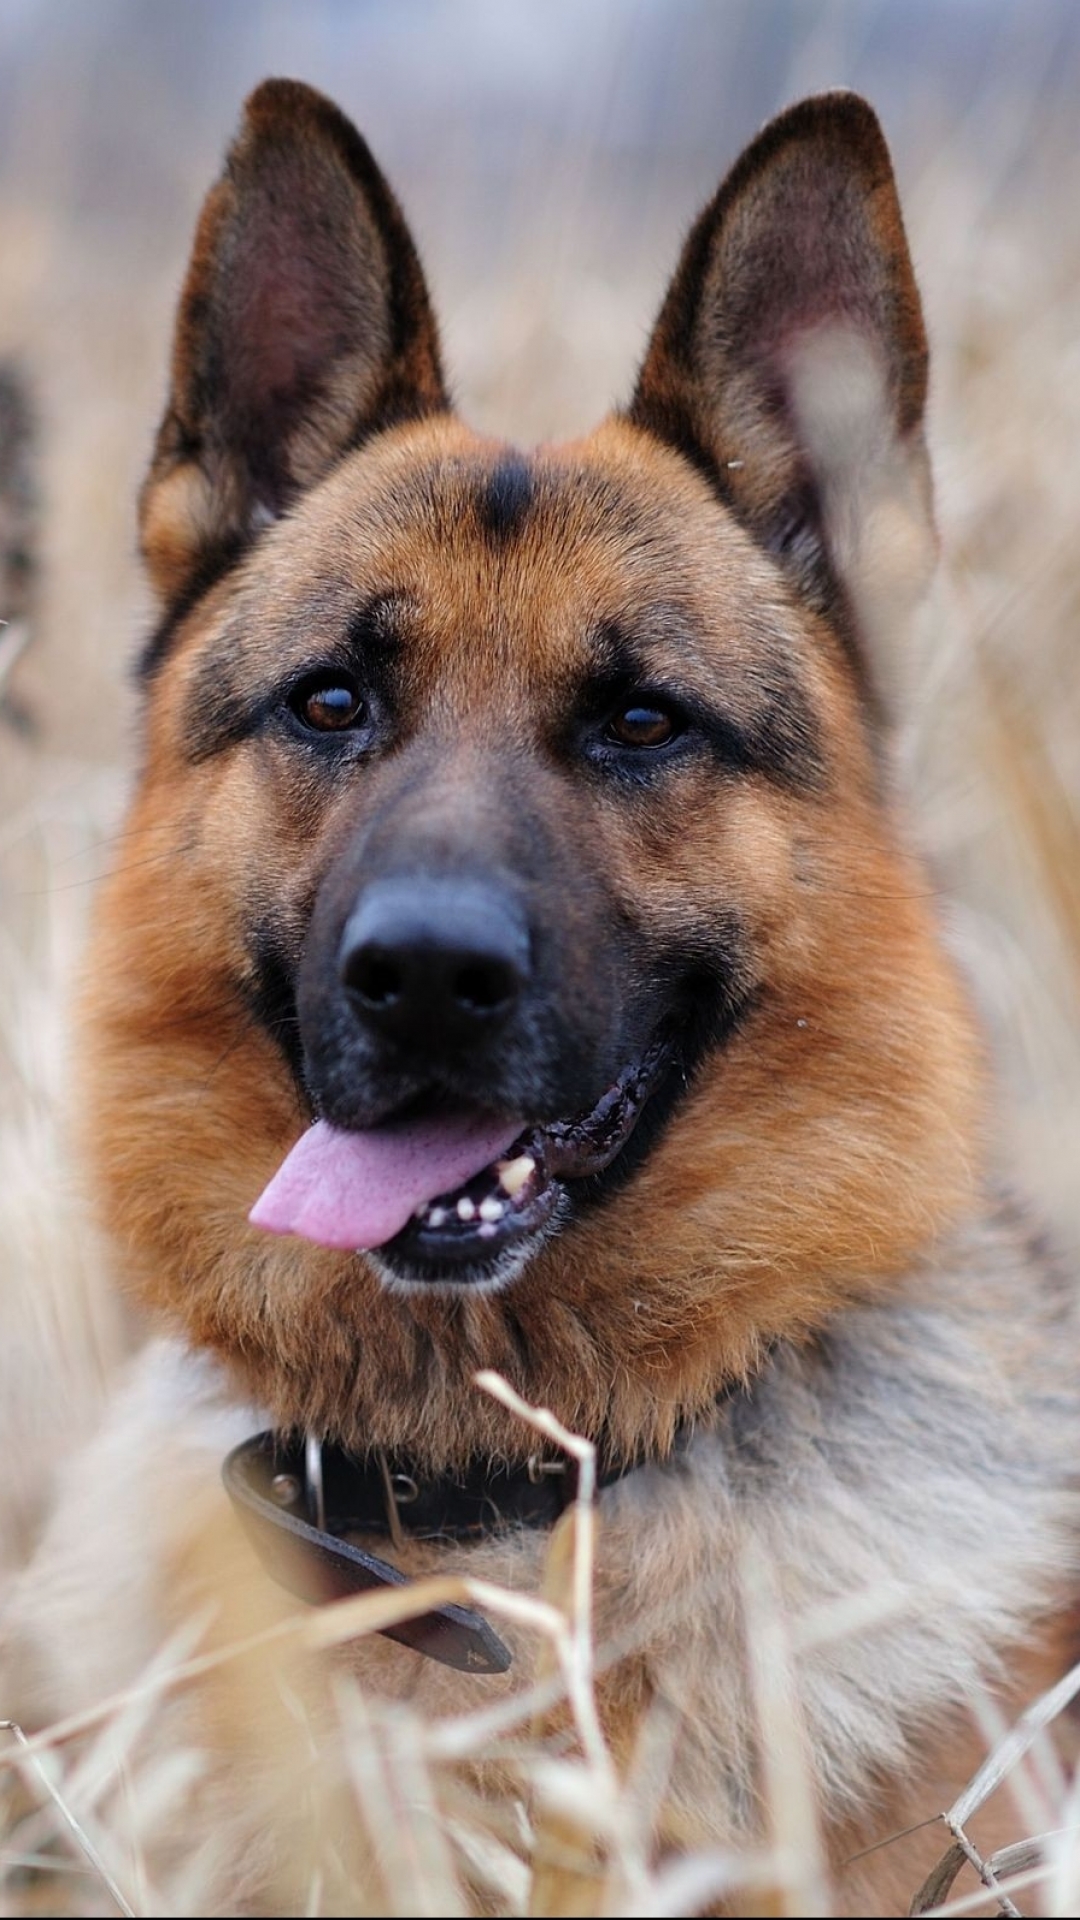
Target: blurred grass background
{"type": "Point", "coordinates": [550, 154]}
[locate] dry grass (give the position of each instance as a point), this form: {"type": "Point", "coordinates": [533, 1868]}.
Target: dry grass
{"type": "Point", "coordinates": [567, 1835]}
{"type": "Point", "coordinates": [542, 333]}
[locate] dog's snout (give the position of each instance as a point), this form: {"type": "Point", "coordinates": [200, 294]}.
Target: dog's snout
{"type": "Point", "coordinates": [434, 960]}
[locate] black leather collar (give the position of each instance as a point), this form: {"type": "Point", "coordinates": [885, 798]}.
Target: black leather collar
{"type": "Point", "coordinates": [297, 1502]}
{"type": "Point", "coordinates": [297, 1499]}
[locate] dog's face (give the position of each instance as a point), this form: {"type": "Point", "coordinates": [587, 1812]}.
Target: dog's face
{"type": "Point", "coordinates": [511, 837]}
{"type": "Point", "coordinates": [509, 899]}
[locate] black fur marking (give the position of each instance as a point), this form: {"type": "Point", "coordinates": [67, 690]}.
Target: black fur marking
{"type": "Point", "coordinates": [621, 664]}
{"type": "Point", "coordinates": [270, 992]}
{"type": "Point", "coordinates": [781, 742]}
{"type": "Point", "coordinates": [367, 653]}
{"type": "Point", "coordinates": [779, 739]}
{"type": "Point", "coordinates": [217, 716]}
{"type": "Point", "coordinates": [222, 710]}
{"type": "Point", "coordinates": [220, 560]}
{"type": "Point", "coordinates": [714, 1001]}
{"type": "Point", "coordinates": [373, 640]}
{"type": "Point", "coordinates": [505, 497]}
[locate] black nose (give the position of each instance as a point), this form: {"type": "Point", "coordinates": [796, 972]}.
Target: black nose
{"type": "Point", "coordinates": [434, 962]}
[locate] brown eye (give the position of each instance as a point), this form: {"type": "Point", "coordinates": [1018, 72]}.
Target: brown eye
{"type": "Point", "coordinates": [641, 724]}
{"type": "Point", "coordinates": [328, 706]}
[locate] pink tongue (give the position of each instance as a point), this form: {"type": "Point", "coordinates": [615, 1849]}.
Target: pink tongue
{"type": "Point", "coordinates": [357, 1190]}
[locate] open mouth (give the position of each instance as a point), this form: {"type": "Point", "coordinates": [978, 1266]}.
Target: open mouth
{"type": "Point", "coordinates": [456, 1197]}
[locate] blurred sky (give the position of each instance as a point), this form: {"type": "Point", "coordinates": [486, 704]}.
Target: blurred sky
{"type": "Point", "coordinates": [124, 83]}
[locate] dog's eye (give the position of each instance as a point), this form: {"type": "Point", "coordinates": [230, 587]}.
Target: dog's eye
{"type": "Point", "coordinates": [643, 723]}
{"type": "Point", "coordinates": [328, 704]}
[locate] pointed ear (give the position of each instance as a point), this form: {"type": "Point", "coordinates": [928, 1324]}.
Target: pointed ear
{"type": "Point", "coordinates": [789, 362]}
{"type": "Point", "coordinates": [304, 325]}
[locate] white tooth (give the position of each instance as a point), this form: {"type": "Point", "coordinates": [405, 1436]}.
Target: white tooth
{"type": "Point", "coordinates": [514, 1173]}
{"type": "Point", "coordinates": [465, 1208]}
{"type": "Point", "coordinates": [491, 1209]}
{"type": "Point", "coordinates": [437, 1217]}
{"type": "Point", "coordinates": [487, 1231]}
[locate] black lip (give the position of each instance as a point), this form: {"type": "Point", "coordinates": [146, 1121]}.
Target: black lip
{"type": "Point", "coordinates": [458, 1254]}
{"type": "Point", "coordinates": [565, 1155]}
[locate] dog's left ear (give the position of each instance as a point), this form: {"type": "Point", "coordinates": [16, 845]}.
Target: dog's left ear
{"type": "Point", "coordinates": [789, 362]}
{"type": "Point", "coordinates": [304, 326]}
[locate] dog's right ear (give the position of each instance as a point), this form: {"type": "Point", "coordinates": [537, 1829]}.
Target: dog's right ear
{"type": "Point", "coordinates": [304, 326]}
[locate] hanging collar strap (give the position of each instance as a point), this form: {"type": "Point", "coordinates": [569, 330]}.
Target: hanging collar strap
{"type": "Point", "coordinates": [298, 1502]}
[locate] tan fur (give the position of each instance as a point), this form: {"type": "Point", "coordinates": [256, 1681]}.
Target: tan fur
{"type": "Point", "coordinates": [768, 1222]}
{"type": "Point", "coordinates": [814, 1223]}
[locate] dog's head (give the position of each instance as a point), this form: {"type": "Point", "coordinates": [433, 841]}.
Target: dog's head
{"type": "Point", "coordinates": [510, 899]}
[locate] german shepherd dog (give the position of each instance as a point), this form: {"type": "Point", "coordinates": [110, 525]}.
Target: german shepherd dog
{"type": "Point", "coordinates": [517, 961]}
